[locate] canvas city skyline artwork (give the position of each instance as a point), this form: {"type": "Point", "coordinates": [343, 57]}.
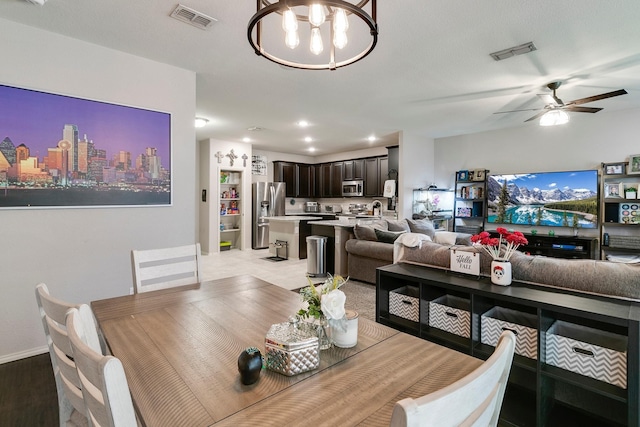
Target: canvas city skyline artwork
{"type": "Point", "coordinates": [61, 151]}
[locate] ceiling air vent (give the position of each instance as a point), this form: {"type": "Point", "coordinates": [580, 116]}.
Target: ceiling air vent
{"type": "Point", "coordinates": [513, 51]}
{"type": "Point", "coordinates": [190, 16]}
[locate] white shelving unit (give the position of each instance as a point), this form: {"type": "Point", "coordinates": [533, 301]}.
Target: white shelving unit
{"type": "Point", "coordinates": [231, 210]}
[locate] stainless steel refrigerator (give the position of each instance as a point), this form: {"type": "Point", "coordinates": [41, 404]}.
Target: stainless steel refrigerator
{"type": "Point", "coordinates": [268, 200]}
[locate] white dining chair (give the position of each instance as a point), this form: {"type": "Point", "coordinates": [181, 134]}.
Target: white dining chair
{"type": "Point", "coordinates": [104, 385]}
{"type": "Point", "coordinates": [155, 269]}
{"type": "Point", "coordinates": [474, 400]}
{"type": "Point", "coordinates": [53, 311]}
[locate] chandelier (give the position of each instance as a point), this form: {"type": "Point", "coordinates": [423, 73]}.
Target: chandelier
{"type": "Point", "coordinates": [280, 30]}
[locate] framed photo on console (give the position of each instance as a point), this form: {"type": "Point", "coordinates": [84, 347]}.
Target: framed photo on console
{"type": "Point", "coordinates": [634, 163]}
{"type": "Point", "coordinates": [613, 189]}
{"type": "Point", "coordinates": [614, 169]}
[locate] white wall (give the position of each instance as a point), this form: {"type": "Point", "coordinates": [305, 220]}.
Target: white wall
{"type": "Point", "coordinates": [84, 254]}
{"type": "Point", "coordinates": [585, 142]}
{"type": "Point", "coordinates": [416, 169]}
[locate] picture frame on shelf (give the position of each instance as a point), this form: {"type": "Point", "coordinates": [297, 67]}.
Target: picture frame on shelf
{"type": "Point", "coordinates": [634, 164]}
{"type": "Point", "coordinates": [478, 175]}
{"type": "Point", "coordinates": [614, 169]}
{"type": "Point", "coordinates": [463, 175]}
{"type": "Point", "coordinates": [613, 190]}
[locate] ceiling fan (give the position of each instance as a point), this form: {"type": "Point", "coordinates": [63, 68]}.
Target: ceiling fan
{"type": "Point", "coordinates": [554, 103]}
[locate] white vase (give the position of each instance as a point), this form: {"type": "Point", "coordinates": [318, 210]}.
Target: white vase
{"type": "Point", "coordinates": [346, 338]}
{"type": "Point", "coordinates": [500, 272]}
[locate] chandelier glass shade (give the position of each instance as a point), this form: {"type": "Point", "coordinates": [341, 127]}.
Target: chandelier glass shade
{"type": "Point", "coordinates": [314, 34]}
{"type": "Point", "coordinates": [554, 117]}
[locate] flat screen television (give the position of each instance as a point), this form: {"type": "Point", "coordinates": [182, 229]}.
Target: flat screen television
{"type": "Point", "coordinates": [555, 199]}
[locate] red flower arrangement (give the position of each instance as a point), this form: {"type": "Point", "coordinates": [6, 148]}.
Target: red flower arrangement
{"type": "Point", "coordinates": [493, 245]}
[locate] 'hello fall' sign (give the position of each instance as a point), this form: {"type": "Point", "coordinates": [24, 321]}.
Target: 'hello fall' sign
{"type": "Point", "coordinates": [465, 262]}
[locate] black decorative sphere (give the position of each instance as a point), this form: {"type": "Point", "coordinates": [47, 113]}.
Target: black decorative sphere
{"type": "Point", "coordinates": [250, 365]}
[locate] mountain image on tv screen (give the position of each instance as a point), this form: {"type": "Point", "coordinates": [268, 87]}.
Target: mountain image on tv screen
{"type": "Point", "coordinates": [556, 199]}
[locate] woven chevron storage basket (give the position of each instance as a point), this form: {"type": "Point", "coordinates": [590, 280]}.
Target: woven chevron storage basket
{"type": "Point", "coordinates": [597, 354]}
{"type": "Point", "coordinates": [405, 302]}
{"type": "Point", "coordinates": [523, 325]}
{"type": "Point", "coordinates": [451, 314]}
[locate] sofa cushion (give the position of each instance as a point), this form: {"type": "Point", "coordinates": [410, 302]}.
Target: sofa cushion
{"type": "Point", "coordinates": [422, 226]}
{"type": "Point", "coordinates": [374, 250]}
{"type": "Point", "coordinates": [387, 236]}
{"type": "Point", "coordinates": [445, 238]}
{"type": "Point", "coordinates": [366, 232]}
{"type": "Point", "coordinates": [398, 225]}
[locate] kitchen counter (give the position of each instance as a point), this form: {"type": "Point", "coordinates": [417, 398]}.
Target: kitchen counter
{"type": "Point", "coordinates": [292, 229]}
{"type": "Point", "coordinates": [293, 218]}
{"type": "Point", "coordinates": [345, 222]}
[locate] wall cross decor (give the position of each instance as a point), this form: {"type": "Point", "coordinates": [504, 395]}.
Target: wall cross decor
{"type": "Point", "coordinates": [244, 160]}
{"type": "Point", "coordinates": [219, 155]}
{"type": "Point", "coordinates": [232, 156]}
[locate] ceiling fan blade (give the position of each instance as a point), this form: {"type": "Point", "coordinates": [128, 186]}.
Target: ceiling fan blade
{"type": "Point", "coordinates": [598, 97]}
{"type": "Point", "coordinates": [515, 111]}
{"type": "Point", "coordinates": [550, 99]}
{"type": "Point", "coordinates": [540, 114]}
{"type": "Point", "coordinates": [581, 109]}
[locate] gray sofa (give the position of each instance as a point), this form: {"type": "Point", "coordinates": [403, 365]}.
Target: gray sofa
{"type": "Point", "coordinates": [373, 245]}
{"type": "Point", "coordinates": [610, 279]}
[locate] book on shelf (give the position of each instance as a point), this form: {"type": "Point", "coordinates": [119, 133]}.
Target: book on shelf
{"type": "Point", "coordinates": [471, 192]}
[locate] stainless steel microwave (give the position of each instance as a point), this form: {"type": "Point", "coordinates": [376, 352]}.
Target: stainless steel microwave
{"type": "Point", "coordinates": [353, 188]}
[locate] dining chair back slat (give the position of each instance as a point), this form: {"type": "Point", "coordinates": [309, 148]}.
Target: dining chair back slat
{"type": "Point", "coordinates": [155, 269]}
{"type": "Point", "coordinates": [474, 400]}
{"type": "Point", "coordinates": [53, 312]}
{"type": "Point", "coordinates": [104, 384]}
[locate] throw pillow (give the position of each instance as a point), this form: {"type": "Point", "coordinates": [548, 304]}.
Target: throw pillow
{"type": "Point", "coordinates": [422, 226]}
{"type": "Point", "coordinates": [387, 236]}
{"type": "Point", "coordinates": [400, 225]}
{"type": "Point", "coordinates": [364, 232]}
{"type": "Point", "coordinates": [445, 238]}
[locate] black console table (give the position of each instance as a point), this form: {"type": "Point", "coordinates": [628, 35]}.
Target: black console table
{"type": "Point", "coordinates": [559, 246]}
{"type": "Point", "coordinates": [538, 394]}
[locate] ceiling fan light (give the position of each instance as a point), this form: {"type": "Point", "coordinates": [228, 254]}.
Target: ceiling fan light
{"type": "Point", "coordinates": [554, 117]}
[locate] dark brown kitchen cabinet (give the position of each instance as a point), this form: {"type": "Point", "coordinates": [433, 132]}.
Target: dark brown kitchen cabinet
{"type": "Point", "coordinates": [353, 169]}
{"type": "Point", "coordinates": [305, 180]}
{"type": "Point", "coordinates": [383, 166]}
{"type": "Point", "coordinates": [376, 171]}
{"type": "Point", "coordinates": [317, 181]}
{"type": "Point", "coordinates": [326, 180]}
{"type": "Point", "coordinates": [286, 172]}
{"type": "Point", "coordinates": [336, 179]}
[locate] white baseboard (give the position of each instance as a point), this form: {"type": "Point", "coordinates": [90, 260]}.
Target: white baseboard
{"type": "Point", "coordinates": [23, 354]}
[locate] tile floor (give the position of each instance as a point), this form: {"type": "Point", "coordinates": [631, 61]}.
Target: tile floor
{"type": "Point", "coordinates": [289, 274]}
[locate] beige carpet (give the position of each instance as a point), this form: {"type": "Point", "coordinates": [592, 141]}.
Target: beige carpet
{"type": "Point", "coordinates": [361, 297]}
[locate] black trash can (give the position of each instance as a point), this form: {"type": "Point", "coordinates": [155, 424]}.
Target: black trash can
{"type": "Point", "coordinates": [317, 256]}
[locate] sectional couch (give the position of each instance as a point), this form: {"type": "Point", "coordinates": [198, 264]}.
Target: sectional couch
{"type": "Point", "coordinates": [417, 243]}
{"type": "Point", "coordinates": [373, 245]}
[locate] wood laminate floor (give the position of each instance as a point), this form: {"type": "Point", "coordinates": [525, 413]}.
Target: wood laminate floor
{"type": "Point", "coordinates": [28, 393]}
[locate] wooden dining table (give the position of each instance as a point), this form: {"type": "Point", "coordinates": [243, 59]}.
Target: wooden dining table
{"type": "Point", "coordinates": [180, 346]}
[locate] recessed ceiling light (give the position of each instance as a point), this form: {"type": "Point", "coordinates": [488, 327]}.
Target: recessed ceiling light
{"type": "Point", "coordinates": [303, 123]}
{"type": "Point", "coordinates": [311, 149]}
{"type": "Point", "coordinates": [308, 139]}
{"type": "Point", "coordinates": [245, 139]}
{"type": "Point", "coordinates": [371, 138]}
{"type": "Point", "coordinates": [200, 122]}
